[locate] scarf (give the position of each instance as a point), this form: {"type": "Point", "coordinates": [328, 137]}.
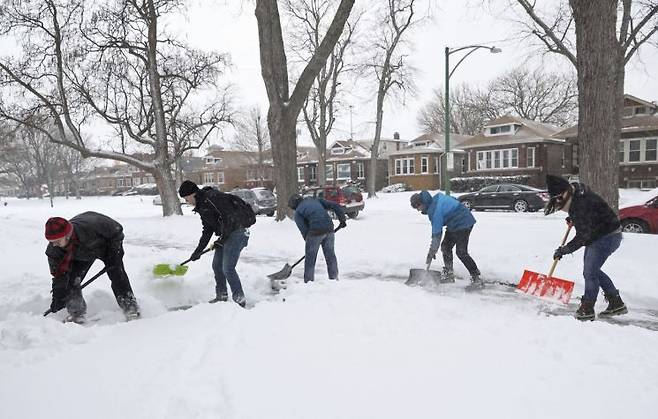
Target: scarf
{"type": "Point", "coordinates": [65, 264]}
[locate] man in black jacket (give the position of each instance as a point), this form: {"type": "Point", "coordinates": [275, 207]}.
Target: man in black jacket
{"type": "Point", "coordinates": [73, 248]}
{"type": "Point", "coordinates": [599, 230]}
{"type": "Point", "coordinates": [219, 215]}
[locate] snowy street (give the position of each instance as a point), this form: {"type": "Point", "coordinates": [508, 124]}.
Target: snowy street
{"type": "Point", "coordinates": [366, 346]}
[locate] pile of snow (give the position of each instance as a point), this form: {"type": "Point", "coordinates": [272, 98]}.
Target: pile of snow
{"type": "Point", "coordinates": [366, 346]}
{"type": "Point", "coordinates": [396, 187]}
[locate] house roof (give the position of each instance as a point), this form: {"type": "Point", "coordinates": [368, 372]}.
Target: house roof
{"type": "Point", "coordinates": [637, 123]}
{"type": "Point", "coordinates": [630, 100]}
{"type": "Point", "coordinates": [436, 144]}
{"type": "Point", "coordinates": [529, 131]}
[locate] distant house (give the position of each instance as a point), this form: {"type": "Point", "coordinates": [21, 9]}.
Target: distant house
{"type": "Point", "coordinates": [638, 164]}
{"type": "Point", "coordinates": [223, 169]}
{"type": "Point", "coordinates": [419, 163]}
{"type": "Point", "coordinates": [510, 146]}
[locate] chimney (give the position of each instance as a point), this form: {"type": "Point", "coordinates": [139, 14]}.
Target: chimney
{"type": "Point", "coordinates": [396, 135]}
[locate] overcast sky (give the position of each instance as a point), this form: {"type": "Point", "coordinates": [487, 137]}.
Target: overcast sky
{"type": "Point", "coordinates": [230, 26]}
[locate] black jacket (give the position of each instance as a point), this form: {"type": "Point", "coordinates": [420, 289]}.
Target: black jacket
{"type": "Point", "coordinates": [97, 235]}
{"type": "Point", "coordinates": [591, 216]}
{"type": "Point", "coordinates": [218, 215]}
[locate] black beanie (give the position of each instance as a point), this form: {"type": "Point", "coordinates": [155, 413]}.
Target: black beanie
{"type": "Point", "coordinates": [415, 200]}
{"type": "Point", "coordinates": [187, 188]}
{"type": "Point", "coordinates": [294, 200]}
{"type": "Point", "coordinates": [556, 185]}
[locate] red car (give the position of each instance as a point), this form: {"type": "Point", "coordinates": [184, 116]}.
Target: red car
{"type": "Point", "coordinates": [640, 218]}
{"type": "Point", "coordinates": [347, 197]}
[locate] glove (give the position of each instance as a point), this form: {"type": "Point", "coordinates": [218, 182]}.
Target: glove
{"type": "Point", "coordinates": [60, 291]}
{"type": "Point", "coordinates": [560, 251]}
{"type": "Point", "coordinates": [342, 224]}
{"type": "Point", "coordinates": [430, 255]}
{"type": "Point", "coordinates": [434, 248]}
{"type": "Point", "coordinates": [196, 255]}
{"type": "Point", "coordinates": [57, 305]}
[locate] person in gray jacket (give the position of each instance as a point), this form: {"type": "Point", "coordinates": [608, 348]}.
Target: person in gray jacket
{"type": "Point", "coordinates": [317, 229]}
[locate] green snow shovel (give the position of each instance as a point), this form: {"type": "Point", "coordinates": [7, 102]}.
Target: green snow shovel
{"type": "Point", "coordinates": [165, 269]}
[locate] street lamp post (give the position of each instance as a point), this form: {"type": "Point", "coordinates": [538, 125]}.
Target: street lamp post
{"type": "Point", "coordinates": [446, 95]}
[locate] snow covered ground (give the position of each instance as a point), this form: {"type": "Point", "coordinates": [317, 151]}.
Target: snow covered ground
{"type": "Point", "coordinates": [364, 347]}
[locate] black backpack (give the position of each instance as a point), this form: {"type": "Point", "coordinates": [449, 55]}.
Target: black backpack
{"type": "Point", "coordinates": [244, 215]}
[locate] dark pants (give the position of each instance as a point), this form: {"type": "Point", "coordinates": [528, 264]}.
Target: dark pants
{"type": "Point", "coordinates": [595, 256]}
{"type": "Point", "coordinates": [224, 262]}
{"type": "Point", "coordinates": [460, 239]}
{"type": "Point", "coordinates": [75, 303]}
{"type": "Point", "coordinates": [313, 244]}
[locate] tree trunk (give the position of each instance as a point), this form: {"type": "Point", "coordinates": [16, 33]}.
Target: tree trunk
{"type": "Point", "coordinates": [374, 152]}
{"type": "Point", "coordinates": [321, 173]}
{"type": "Point", "coordinates": [600, 94]}
{"type": "Point", "coordinates": [168, 192]}
{"type": "Point", "coordinates": [284, 152]}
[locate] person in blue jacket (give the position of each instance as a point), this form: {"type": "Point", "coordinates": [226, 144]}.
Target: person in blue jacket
{"type": "Point", "coordinates": [317, 230]}
{"type": "Point", "coordinates": [443, 210]}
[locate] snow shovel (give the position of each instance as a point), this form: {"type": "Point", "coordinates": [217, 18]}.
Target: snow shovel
{"type": "Point", "coordinates": [89, 281]}
{"type": "Point", "coordinates": [547, 286]}
{"type": "Point", "coordinates": [287, 269]}
{"type": "Point", "coordinates": [417, 276]}
{"type": "Point", "coordinates": [164, 269]}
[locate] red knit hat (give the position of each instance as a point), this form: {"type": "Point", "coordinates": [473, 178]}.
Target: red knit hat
{"type": "Point", "coordinates": [57, 227]}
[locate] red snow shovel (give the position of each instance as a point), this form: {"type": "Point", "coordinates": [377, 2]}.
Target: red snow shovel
{"type": "Point", "coordinates": [547, 286]}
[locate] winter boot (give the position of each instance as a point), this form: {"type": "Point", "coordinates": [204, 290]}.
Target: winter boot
{"type": "Point", "coordinates": [240, 300]}
{"type": "Point", "coordinates": [128, 304]}
{"type": "Point", "coordinates": [221, 297]}
{"type": "Point", "coordinates": [615, 306]}
{"type": "Point", "coordinates": [75, 318]}
{"type": "Point", "coordinates": [447, 275]}
{"type": "Point", "coordinates": [476, 282]}
{"type": "Point", "coordinates": [585, 311]}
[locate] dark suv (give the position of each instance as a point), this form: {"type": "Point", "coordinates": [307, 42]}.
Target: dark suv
{"type": "Point", "coordinates": [347, 197]}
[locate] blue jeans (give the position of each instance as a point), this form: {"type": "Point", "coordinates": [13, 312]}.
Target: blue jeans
{"type": "Point", "coordinates": [224, 262]}
{"type": "Point", "coordinates": [595, 256]}
{"type": "Point", "coordinates": [313, 244]}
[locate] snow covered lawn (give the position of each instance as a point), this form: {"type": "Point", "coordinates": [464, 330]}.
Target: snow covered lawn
{"type": "Point", "coordinates": [365, 347]}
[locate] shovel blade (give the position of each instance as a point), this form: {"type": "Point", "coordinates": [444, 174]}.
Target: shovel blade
{"type": "Point", "coordinates": [417, 276]}
{"type": "Point", "coordinates": [282, 274]}
{"type": "Point", "coordinates": [545, 287]}
{"type": "Point", "coordinates": [164, 269]}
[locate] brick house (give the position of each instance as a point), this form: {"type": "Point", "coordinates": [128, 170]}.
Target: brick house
{"type": "Point", "coordinates": [419, 163]}
{"type": "Point", "coordinates": [638, 164]}
{"type": "Point", "coordinates": [223, 169]}
{"type": "Point", "coordinates": [511, 145]}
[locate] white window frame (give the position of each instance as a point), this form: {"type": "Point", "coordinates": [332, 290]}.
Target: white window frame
{"type": "Point", "coordinates": [313, 173]}
{"type": "Point", "coordinates": [300, 173]}
{"type": "Point", "coordinates": [335, 151]}
{"type": "Point", "coordinates": [490, 129]}
{"type": "Point", "coordinates": [329, 172]}
{"type": "Point", "coordinates": [508, 158]}
{"type": "Point", "coordinates": [220, 178]}
{"type": "Point", "coordinates": [405, 166]}
{"type": "Point", "coordinates": [341, 168]}
{"type": "Point", "coordinates": [361, 170]}
{"type": "Point", "coordinates": [209, 177]}
{"type": "Point", "coordinates": [120, 183]}
{"type": "Point", "coordinates": [530, 157]}
{"type": "Point", "coordinates": [638, 151]}
{"type": "Point", "coordinates": [424, 165]}
{"type": "Point", "coordinates": [436, 165]}
{"type": "Point", "coordinates": [655, 149]}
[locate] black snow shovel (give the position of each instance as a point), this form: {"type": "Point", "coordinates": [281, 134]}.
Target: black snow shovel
{"type": "Point", "coordinates": [101, 272]}
{"type": "Point", "coordinates": [417, 276]}
{"type": "Point", "coordinates": [287, 269]}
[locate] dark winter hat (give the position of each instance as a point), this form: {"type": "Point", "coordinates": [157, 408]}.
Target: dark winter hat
{"type": "Point", "coordinates": [294, 200]}
{"type": "Point", "coordinates": [57, 227]}
{"type": "Point", "coordinates": [187, 188]}
{"type": "Point", "coordinates": [556, 185]}
{"type": "Point", "coordinates": [415, 200]}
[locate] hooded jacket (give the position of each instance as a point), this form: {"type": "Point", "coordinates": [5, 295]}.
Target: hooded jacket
{"type": "Point", "coordinates": [591, 216]}
{"type": "Point", "coordinates": [312, 218]}
{"type": "Point", "coordinates": [443, 210]}
{"type": "Point", "coordinates": [218, 215]}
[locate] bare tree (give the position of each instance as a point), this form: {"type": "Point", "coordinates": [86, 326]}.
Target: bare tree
{"type": "Point", "coordinates": [252, 135]}
{"type": "Point", "coordinates": [322, 105]}
{"type": "Point", "coordinates": [608, 33]}
{"type": "Point", "coordinates": [546, 97]}
{"type": "Point", "coordinates": [116, 64]}
{"type": "Point", "coordinates": [16, 162]}
{"type": "Point", "coordinates": [389, 67]}
{"type": "Point", "coordinates": [285, 107]}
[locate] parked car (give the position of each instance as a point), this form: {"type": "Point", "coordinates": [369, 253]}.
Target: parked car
{"type": "Point", "coordinates": [248, 196]}
{"type": "Point", "coordinates": [266, 201]}
{"type": "Point", "coordinates": [640, 218]}
{"type": "Point", "coordinates": [347, 197]}
{"type": "Point", "coordinates": [519, 198]}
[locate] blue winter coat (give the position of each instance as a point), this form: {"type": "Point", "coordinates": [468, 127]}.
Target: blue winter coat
{"type": "Point", "coordinates": [443, 210]}
{"type": "Point", "coordinates": [312, 218]}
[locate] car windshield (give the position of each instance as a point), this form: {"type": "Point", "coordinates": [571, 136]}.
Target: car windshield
{"type": "Point", "coordinates": [264, 194]}
{"type": "Point", "coordinates": [350, 190]}
{"type": "Point", "coordinates": [529, 188]}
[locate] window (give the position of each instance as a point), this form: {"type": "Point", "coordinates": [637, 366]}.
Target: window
{"type": "Point", "coordinates": [622, 148]}
{"type": "Point", "coordinates": [209, 177]}
{"type": "Point", "coordinates": [640, 110]}
{"type": "Point", "coordinates": [329, 172]}
{"type": "Point", "coordinates": [120, 183]}
{"type": "Point", "coordinates": [300, 173]}
{"type": "Point", "coordinates": [464, 164]}
{"type": "Point", "coordinates": [424, 164]}
{"type": "Point", "coordinates": [530, 162]}
{"type": "Point", "coordinates": [337, 150]}
{"type": "Point", "coordinates": [436, 164]}
{"type": "Point", "coordinates": [650, 149]}
{"type": "Point", "coordinates": [220, 178]}
{"type": "Point", "coordinates": [500, 130]}
{"type": "Point", "coordinates": [404, 166]}
{"type": "Point", "coordinates": [634, 150]}
{"type": "Point", "coordinates": [360, 170]}
{"type": "Point", "coordinates": [498, 159]}
{"type": "Point", "coordinates": [343, 171]}
{"type": "Point", "coordinates": [313, 175]}
{"type": "Point", "coordinates": [213, 160]}
{"type": "Point", "coordinates": [508, 188]}
{"type": "Point", "coordinates": [492, 188]}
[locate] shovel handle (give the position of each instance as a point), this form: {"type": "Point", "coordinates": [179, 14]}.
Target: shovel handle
{"type": "Point", "coordinates": [204, 252]}
{"type": "Point", "coordinates": [564, 240]}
